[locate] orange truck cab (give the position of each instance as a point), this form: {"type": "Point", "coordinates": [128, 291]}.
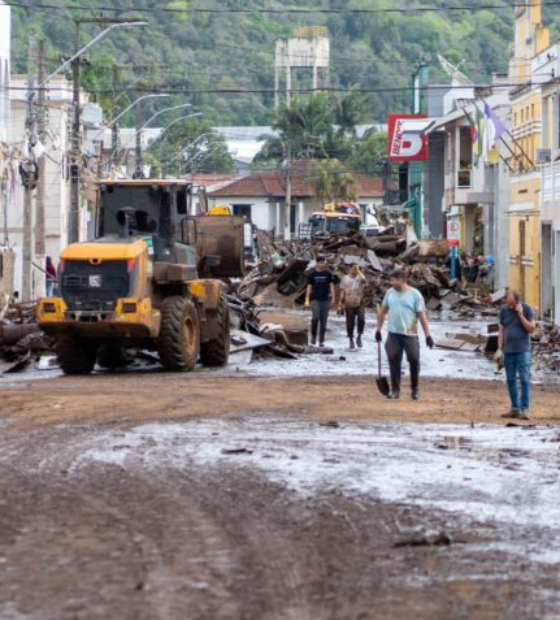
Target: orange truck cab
{"type": "Point", "coordinates": [335, 219]}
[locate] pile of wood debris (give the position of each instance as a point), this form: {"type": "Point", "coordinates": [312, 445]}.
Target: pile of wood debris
{"type": "Point", "coordinates": [21, 341]}
{"type": "Point", "coordinates": [546, 347]}
{"type": "Point", "coordinates": [280, 278]}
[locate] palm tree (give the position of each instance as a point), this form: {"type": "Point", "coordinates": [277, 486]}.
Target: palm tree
{"type": "Point", "coordinates": [332, 183]}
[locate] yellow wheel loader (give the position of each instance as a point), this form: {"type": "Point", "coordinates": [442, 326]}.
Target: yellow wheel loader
{"type": "Point", "coordinates": [151, 279]}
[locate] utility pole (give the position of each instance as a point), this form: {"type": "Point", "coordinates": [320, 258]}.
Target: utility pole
{"type": "Point", "coordinates": [139, 155]}
{"type": "Point", "coordinates": [76, 143]}
{"type": "Point", "coordinates": [115, 127]}
{"type": "Point", "coordinates": [40, 242]}
{"type": "Point", "coordinates": [29, 175]}
{"type": "Point", "coordinates": [76, 147]}
{"type": "Point", "coordinates": [288, 197]}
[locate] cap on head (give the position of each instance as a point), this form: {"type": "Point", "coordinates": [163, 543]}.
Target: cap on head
{"type": "Point", "coordinates": [321, 259]}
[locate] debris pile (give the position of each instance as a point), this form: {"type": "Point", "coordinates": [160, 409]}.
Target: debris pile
{"type": "Point", "coordinates": [20, 337]}
{"type": "Point", "coordinates": [280, 279]}
{"type": "Point", "coordinates": [267, 338]}
{"type": "Point", "coordinates": [547, 347]}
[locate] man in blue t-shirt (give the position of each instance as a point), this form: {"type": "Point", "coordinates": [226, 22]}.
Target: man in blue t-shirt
{"type": "Point", "coordinates": [517, 323]}
{"type": "Point", "coordinates": [405, 308]}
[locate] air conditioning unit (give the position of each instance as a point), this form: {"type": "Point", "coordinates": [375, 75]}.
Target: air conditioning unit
{"type": "Point", "coordinates": [544, 156]}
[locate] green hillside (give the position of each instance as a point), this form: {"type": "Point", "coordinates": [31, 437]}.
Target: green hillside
{"type": "Point", "coordinates": [203, 52]}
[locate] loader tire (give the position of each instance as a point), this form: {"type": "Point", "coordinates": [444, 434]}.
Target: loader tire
{"type": "Point", "coordinates": [179, 340]}
{"type": "Point", "coordinates": [216, 352]}
{"type": "Point", "coordinates": [111, 357]}
{"type": "Point", "coordinates": [75, 355]}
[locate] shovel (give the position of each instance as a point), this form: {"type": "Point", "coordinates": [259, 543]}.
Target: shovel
{"type": "Point", "coordinates": [382, 383]}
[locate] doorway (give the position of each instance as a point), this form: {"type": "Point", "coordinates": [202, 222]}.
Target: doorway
{"type": "Point", "coordinates": [244, 210]}
{"type": "Point", "coordinates": [547, 297]}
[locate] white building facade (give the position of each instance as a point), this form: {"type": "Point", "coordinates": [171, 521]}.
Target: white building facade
{"type": "Point", "coordinates": [55, 177]}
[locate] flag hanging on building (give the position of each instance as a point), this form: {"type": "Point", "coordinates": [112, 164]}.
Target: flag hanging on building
{"type": "Point", "coordinates": [477, 134]}
{"type": "Point", "coordinates": [495, 129]}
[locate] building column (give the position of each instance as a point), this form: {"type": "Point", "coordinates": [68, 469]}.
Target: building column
{"type": "Point", "coordinates": [279, 229]}
{"type": "Point", "coordinates": [470, 226]}
{"type": "Point", "coordinates": [555, 120]}
{"type": "Point", "coordinates": [545, 141]}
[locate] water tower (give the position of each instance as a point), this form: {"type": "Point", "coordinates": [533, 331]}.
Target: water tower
{"type": "Point", "coordinates": [307, 48]}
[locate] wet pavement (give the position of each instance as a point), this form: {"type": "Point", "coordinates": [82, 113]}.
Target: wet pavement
{"type": "Point", "coordinates": [437, 363]}
{"type": "Point", "coordinates": [278, 517]}
{"type": "Point", "coordinates": [507, 477]}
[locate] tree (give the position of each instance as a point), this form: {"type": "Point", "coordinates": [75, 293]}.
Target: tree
{"type": "Point", "coordinates": [192, 145]}
{"type": "Point", "coordinates": [332, 183]}
{"type": "Point", "coordinates": [370, 152]}
{"type": "Point", "coordinates": [315, 127]}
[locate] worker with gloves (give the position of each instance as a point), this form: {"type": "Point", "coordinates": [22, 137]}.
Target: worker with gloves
{"type": "Point", "coordinates": [319, 296]}
{"type": "Point", "coordinates": [404, 307]}
{"type": "Point", "coordinates": [351, 304]}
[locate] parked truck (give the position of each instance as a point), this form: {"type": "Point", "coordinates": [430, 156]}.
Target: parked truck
{"type": "Point", "coordinates": [333, 219]}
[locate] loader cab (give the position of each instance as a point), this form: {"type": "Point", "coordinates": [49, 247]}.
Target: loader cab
{"type": "Point", "coordinates": [154, 211]}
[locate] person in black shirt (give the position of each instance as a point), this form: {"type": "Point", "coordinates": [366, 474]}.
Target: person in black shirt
{"type": "Point", "coordinates": [320, 295]}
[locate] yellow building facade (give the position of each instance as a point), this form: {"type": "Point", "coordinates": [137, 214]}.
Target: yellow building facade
{"type": "Point", "coordinates": [531, 38]}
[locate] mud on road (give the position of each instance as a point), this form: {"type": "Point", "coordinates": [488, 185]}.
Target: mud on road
{"type": "Point", "coordinates": [246, 498]}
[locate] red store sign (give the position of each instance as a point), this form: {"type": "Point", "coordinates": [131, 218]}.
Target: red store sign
{"type": "Point", "coordinates": [403, 145]}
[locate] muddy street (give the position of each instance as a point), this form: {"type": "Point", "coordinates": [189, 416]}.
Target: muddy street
{"type": "Point", "coordinates": [246, 497]}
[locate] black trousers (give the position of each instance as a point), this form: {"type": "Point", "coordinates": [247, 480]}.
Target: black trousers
{"type": "Point", "coordinates": [353, 316]}
{"type": "Point", "coordinates": [396, 346]}
{"type": "Point", "coordinates": [319, 318]}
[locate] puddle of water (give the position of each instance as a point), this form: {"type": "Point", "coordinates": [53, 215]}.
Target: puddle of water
{"type": "Point", "coordinates": [496, 475]}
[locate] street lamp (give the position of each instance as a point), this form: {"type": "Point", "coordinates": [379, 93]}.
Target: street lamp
{"type": "Point", "coordinates": [133, 104]}
{"type": "Point", "coordinates": [184, 151]}
{"type": "Point", "coordinates": [175, 107]}
{"type": "Point", "coordinates": [163, 135]}
{"type": "Point", "coordinates": [139, 154]}
{"type": "Point", "coordinates": [212, 148]}
{"type": "Point", "coordinates": [75, 155]}
{"type": "Point", "coordinates": [84, 49]}
{"type": "Point", "coordinates": [113, 122]}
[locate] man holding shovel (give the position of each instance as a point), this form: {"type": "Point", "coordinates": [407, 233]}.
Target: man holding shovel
{"type": "Point", "coordinates": [404, 307]}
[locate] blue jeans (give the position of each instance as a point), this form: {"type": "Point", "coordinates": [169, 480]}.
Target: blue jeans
{"type": "Point", "coordinates": [518, 365]}
{"type": "Point", "coordinates": [50, 288]}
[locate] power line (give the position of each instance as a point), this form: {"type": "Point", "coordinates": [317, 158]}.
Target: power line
{"type": "Point", "coordinates": [288, 10]}
{"type": "Point", "coordinates": [181, 89]}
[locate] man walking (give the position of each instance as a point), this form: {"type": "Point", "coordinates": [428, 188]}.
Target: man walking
{"type": "Point", "coordinates": [320, 294]}
{"type": "Point", "coordinates": [351, 303]}
{"type": "Point", "coordinates": [405, 307]}
{"type": "Point", "coordinates": [514, 343]}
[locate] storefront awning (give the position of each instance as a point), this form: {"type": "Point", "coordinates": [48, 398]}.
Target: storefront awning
{"type": "Point", "coordinates": [452, 117]}
{"type": "Point", "coordinates": [417, 125]}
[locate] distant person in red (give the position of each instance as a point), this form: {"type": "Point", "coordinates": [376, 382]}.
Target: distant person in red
{"type": "Point", "coordinates": [51, 276]}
